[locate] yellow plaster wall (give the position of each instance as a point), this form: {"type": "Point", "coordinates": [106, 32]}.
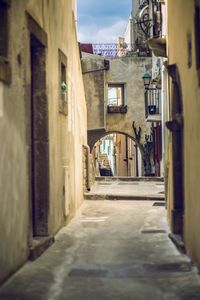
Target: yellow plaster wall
{"type": "Point", "coordinates": [67, 134]}
{"type": "Point", "coordinates": [180, 23]}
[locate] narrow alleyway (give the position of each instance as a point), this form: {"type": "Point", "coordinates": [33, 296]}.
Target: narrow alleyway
{"type": "Point", "coordinates": [110, 250]}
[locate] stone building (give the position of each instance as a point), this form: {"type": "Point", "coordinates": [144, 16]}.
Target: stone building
{"type": "Point", "coordinates": [183, 164]}
{"type": "Point", "coordinates": [43, 125]}
{"type": "Point", "coordinates": [147, 24]}
{"type": "Point", "coordinates": [115, 96]}
{"type": "Point", "coordinates": [181, 94]}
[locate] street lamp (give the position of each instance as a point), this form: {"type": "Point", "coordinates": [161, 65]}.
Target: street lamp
{"type": "Point", "coordinates": [147, 79]}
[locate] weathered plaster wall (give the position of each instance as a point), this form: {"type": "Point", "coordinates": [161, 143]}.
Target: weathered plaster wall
{"type": "Point", "coordinates": [129, 71]}
{"type": "Point", "coordinates": [14, 200]}
{"type": "Point", "coordinates": [67, 134]}
{"type": "Point", "coordinates": [178, 54]}
{"type": "Point", "coordinates": [124, 70]}
{"type": "Point", "coordinates": [94, 82]}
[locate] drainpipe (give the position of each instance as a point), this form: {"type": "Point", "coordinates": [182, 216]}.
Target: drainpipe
{"type": "Point", "coordinates": [87, 148]}
{"type": "Point", "coordinates": [136, 160]}
{"type": "Point", "coordinates": [126, 155]}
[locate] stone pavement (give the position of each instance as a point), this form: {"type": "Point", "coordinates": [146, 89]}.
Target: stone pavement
{"type": "Point", "coordinates": [112, 250]}
{"type": "Point", "coordinates": [118, 189]}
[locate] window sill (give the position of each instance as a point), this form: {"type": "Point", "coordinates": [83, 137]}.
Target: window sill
{"type": "Point", "coordinates": [5, 70]}
{"type": "Point", "coordinates": [117, 109]}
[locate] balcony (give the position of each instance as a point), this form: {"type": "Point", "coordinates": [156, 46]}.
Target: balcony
{"type": "Point", "coordinates": [158, 46]}
{"type": "Point", "coordinates": [153, 104]}
{"type": "Point", "coordinates": [114, 109]}
{"type": "Point", "coordinates": [149, 18]}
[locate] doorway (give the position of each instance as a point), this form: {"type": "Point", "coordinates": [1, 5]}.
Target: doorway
{"type": "Point", "coordinates": [39, 139]}
{"type": "Point", "coordinates": [176, 128]}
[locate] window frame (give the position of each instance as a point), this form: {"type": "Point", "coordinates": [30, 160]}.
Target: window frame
{"type": "Point", "coordinates": [122, 108]}
{"type": "Point", "coordinates": [62, 69]}
{"type": "Point", "coordinates": [122, 87]}
{"type": "Point", "coordinates": [197, 37]}
{"type": "Point", "coordinates": [5, 69]}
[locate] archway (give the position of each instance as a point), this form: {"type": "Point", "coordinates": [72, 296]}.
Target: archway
{"type": "Point", "coordinates": [117, 154]}
{"type": "Point", "coordinates": [97, 134]}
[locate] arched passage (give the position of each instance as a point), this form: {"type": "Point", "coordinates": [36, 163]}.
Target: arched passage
{"type": "Point", "coordinates": [116, 154]}
{"type": "Point", "coordinates": [95, 135]}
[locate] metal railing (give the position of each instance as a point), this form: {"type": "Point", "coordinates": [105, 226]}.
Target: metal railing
{"type": "Point", "coordinates": [122, 109]}
{"type": "Point", "coordinates": [149, 18]}
{"type": "Point", "coordinates": [120, 50]}
{"type": "Point", "coordinates": [152, 101]}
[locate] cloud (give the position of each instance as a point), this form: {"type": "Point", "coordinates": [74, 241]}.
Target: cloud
{"type": "Point", "coordinates": [102, 21]}
{"type": "Point", "coordinates": [110, 8]}
{"type": "Point", "coordinates": [108, 34]}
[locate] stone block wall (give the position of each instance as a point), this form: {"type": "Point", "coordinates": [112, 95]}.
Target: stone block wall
{"type": "Point", "coordinates": [56, 152]}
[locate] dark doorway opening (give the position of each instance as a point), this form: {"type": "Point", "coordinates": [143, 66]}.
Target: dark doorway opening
{"type": "Point", "coordinates": [39, 139]}
{"type": "Point", "coordinates": [176, 128]}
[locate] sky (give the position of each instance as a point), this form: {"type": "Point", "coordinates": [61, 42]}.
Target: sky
{"type": "Point", "coordinates": [102, 21]}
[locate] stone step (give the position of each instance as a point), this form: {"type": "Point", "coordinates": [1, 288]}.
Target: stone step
{"type": "Point", "coordinates": [128, 178]}
{"type": "Point", "coordinates": [95, 196]}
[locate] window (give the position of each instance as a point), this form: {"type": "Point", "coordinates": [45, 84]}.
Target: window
{"type": "Point", "coordinates": [63, 73]}
{"type": "Point", "coordinates": [5, 72]}
{"type": "Point", "coordinates": [4, 28]}
{"type": "Point", "coordinates": [63, 87]}
{"type": "Point", "coordinates": [116, 99]}
{"type": "Point", "coordinates": [115, 95]}
{"type": "Point", "coordinates": [197, 36]}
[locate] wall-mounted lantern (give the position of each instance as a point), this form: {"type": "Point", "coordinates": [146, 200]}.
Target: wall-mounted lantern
{"type": "Point", "coordinates": [63, 91]}
{"type": "Point", "coordinates": [63, 87]}
{"type": "Point", "coordinates": [146, 79]}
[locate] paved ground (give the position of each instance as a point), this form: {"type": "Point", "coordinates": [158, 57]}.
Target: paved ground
{"type": "Point", "coordinates": [112, 250]}
{"type": "Point", "coordinates": [135, 190]}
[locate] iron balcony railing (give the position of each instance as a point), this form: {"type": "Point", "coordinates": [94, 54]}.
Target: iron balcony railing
{"type": "Point", "coordinates": [122, 109]}
{"type": "Point", "coordinates": [149, 17]}
{"type": "Point", "coordinates": [152, 101]}
{"type": "Point", "coordinates": [120, 50]}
